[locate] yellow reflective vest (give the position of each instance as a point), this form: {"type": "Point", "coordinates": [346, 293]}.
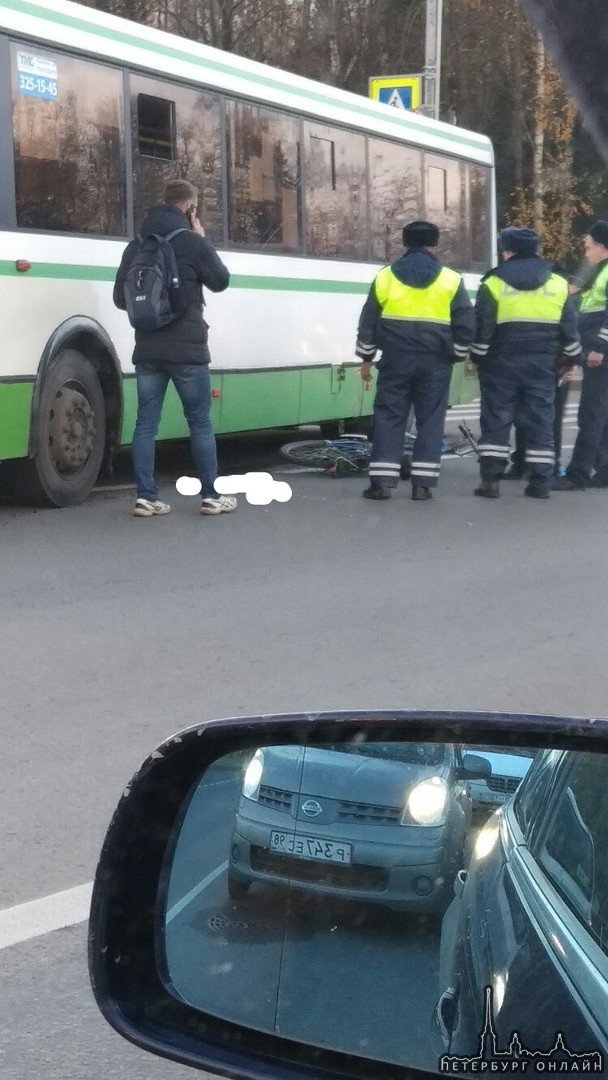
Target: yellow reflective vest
{"type": "Point", "coordinates": [430, 304]}
{"type": "Point", "coordinates": [542, 305]}
{"type": "Point", "coordinates": [593, 299]}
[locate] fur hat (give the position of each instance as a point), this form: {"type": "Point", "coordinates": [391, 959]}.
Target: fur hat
{"type": "Point", "coordinates": [599, 232]}
{"type": "Point", "coordinates": [419, 234]}
{"type": "Point", "coordinates": [519, 241]}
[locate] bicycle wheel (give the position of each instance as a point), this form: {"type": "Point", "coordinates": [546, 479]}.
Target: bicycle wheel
{"type": "Point", "coordinates": [316, 453]}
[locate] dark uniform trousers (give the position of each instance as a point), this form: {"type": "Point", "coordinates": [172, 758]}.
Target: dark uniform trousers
{"type": "Point", "coordinates": [525, 389]}
{"type": "Point", "coordinates": [561, 396]}
{"type": "Point", "coordinates": [404, 381]}
{"type": "Point", "coordinates": [591, 446]}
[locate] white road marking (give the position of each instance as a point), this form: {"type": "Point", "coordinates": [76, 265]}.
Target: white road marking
{"type": "Point", "coordinates": [196, 891]}
{"type": "Point", "coordinates": [37, 917]}
{"type": "Point", "coordinates": [69, 908]}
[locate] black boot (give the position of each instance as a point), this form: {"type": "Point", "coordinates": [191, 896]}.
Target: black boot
{"type": "Point", "coordinates": [374, 491]}
{"type": "Point", "coordinates": [600, 480]}
{"type": "Point", "coordinates": [419, 494]}
{"type": "Point", "coordinates": [537, 492]}
{"type": "Point", "coordinates": [488, 489]}
{"type": "Point", "coordinates": [514, 472]}
{"type": "Point", "coordinates": [564, 483]}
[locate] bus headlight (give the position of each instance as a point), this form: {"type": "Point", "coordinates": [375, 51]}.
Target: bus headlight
{"type": "Point", "coordinates": [426, 803]}
{"type": "Point", "coordinates": [253, 776]}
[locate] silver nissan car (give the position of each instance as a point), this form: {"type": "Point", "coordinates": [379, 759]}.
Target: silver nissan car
{"type": "Point", "coordinates": [384, 823]}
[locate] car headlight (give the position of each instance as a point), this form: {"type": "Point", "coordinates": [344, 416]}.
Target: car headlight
{"type": "Point", "coordinates": [253, 776]}
{"type": "Point", "coordinates": [426, 803]}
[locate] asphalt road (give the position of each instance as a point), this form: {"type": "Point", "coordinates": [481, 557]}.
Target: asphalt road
{"type": "Point", "coordinates": [116, 632]}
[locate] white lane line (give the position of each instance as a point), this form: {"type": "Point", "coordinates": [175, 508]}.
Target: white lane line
{"type": "Point", "coordinates": [196, 891]}
{"type": "Point", "coordinates": [37, 917]}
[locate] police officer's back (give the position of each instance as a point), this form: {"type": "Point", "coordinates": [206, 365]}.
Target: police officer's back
{"type": "Point", "coordinates": [419, 315]}
{"type": "Point", "coordinates": [525, 320]}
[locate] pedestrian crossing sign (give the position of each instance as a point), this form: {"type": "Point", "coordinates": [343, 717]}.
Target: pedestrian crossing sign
{"type": "Point", "coordinates": [399, 91]}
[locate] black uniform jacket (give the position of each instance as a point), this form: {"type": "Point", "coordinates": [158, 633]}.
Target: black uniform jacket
{"type": "Point", "coordinates": [542, 341]}
{"type": "Point", "coordinates": [418, 269]}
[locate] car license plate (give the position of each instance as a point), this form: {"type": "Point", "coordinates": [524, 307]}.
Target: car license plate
{"type": "Point", "coordinates": [310, 847]}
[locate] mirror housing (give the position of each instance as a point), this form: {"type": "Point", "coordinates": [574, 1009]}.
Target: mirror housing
{"type": "Point", "coordinates": [126, 972]}
{"type": "Point", "coordinates": [475, 767]}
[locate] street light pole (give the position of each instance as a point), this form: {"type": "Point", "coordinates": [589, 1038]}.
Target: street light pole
{"type": "Point", "coordinates": [432, 61]}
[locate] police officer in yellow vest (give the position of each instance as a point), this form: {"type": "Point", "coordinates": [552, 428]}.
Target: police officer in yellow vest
{"type": "Point", "coordinates": [419, 315]}
{"type": "Point", "coordinates": [591, 447]}
{"type": "Point", "coordinates": [525, 321]}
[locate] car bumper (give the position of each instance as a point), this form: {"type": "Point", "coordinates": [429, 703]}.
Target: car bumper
{"type": "Point", "coordinates": [419, 879]}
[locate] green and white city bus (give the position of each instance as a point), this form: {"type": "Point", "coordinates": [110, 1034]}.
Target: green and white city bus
{"type": "Point", "coordinates": [304, 190]}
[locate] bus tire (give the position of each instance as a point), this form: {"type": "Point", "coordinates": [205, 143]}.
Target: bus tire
{"type": "Point", "coordinates": [360, 425]}
{"type": "Point", "coordinates": [70, 434]}
{"type": "Point", "coordinates": [331, 429]}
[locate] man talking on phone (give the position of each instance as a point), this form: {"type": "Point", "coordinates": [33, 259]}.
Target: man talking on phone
{"type": "Point", "coordinates": [177, 352]}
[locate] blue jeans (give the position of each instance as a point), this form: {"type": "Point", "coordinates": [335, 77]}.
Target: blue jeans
{"type": "Point", "coordinates": [193, 386]}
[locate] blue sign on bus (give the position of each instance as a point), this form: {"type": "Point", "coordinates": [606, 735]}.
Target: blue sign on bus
{"type": "Point", "coordinates": [36, 76]}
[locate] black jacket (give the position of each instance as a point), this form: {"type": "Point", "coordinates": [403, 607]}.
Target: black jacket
{"type": "Point", "coordinates": [526, 340]}
{"type": "Point", "coordinates": [419, 269]}
{"type": "Point", "coordinates": [183, 341]}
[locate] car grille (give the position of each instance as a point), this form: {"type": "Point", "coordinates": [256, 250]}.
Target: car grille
{"type": "Point", "coordinates": [275, 797]}
{"type": "Point", "coordinates": [366, 814]}
{"type": "Point", "coordinates": [506, 785]}
{"type": "Point", "coordinates": [366, 878]}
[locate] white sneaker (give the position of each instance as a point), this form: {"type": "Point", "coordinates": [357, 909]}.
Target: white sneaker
{"type": "Point", "coordinates": [150, 508]}
{"type": "Point", "coordinates": [218, 504]}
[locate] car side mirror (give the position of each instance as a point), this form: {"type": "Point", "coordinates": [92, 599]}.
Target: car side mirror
{"type": "Point", "coordinates": [270, 891]}
{"type": "Point", "coordinates": [475, 768]}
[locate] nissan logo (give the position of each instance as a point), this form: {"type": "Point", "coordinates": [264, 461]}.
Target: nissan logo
{"type": "Point", "coordinates": [312, 808]}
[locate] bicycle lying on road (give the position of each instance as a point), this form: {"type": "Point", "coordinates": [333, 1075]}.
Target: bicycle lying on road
{"type": "Point", "coordinates": [350, 454]}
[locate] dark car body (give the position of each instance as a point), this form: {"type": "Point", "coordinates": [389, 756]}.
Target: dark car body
{"type": "Point", "coordinates": [338, 822]}
{"type": "Point", "coordinates": [531, 921]}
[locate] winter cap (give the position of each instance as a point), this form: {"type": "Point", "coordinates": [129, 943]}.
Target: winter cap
{"type": "Point", "coordinates": [599, 232]}
{"type": "Point", "coordinates": [519, 241]}
{"type": "Point", "coordinates": [420, 234]}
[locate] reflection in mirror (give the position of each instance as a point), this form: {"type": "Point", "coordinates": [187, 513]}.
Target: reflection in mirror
{"type": "Point", "coordinates": [361, 897]}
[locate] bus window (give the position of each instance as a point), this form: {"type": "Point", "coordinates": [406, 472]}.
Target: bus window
{"type": "Point", "coordinates": [176, 135]}
{"type": "Point", "coordinates": [336, 192]}
{"type": "Point", "coordinates": [395, 195]}
{"type": "Point", "coordinates": [156, 127]}
{"type": "Point", "coordinates": [446, 203]}
{"type": "Point", "coordinates": [481, 241]}
{"type": "Point", "coordinates": [264, 191]}
{"type": "Point", "coordinates": [68, 141]}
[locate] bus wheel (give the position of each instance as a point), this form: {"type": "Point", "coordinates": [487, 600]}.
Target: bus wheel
{"type": "Point", "coordinates": [71, 434]}
{"type": "Point", "coordinates": [331, 429]}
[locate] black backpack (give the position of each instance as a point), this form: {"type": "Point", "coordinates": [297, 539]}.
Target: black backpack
{"type": "Point", "coordinates": [152, 283]}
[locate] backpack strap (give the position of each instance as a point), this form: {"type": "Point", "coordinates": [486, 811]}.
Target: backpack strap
{"type": "Point", "coordinates": [173, 268]}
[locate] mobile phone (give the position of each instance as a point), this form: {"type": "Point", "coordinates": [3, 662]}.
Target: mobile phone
{"type": "Point", "coordinates": [191, 215]}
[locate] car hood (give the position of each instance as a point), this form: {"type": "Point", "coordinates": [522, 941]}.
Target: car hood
{"type": "Point", "coordinates": [346, 777]}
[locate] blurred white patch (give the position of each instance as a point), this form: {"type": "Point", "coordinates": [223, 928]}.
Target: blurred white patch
{"type": "Point", "coordinates": [188, 485]}
{"type": "Point", "coordinates": [259, 488]}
